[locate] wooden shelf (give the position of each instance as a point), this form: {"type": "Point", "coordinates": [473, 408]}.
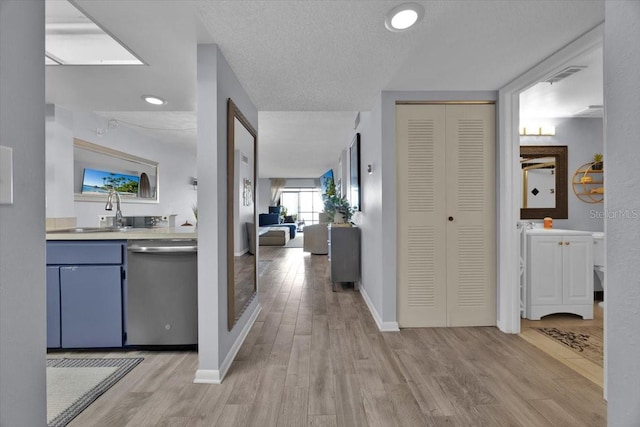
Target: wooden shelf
{"type": "Point", "coordinates": [582, 190]}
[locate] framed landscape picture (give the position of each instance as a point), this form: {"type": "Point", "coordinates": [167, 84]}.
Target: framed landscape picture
{"type": "Point", "coordinates": [355, 197]}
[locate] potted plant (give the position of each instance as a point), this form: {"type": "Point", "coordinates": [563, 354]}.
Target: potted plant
{"type": "Point", "coordinates": [597, 162]}
{"type": "Point", "coordinates": [337, 208]}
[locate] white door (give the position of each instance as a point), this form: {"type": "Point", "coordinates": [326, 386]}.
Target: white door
{"type": "Point", "coordinates": [421, 198]}
{"type": "Point", "coordinates": [545, 270]}
{"type": "Point", "coordinates": [446, 215]}
{"type": "Point", "coordinates": [578, 270]}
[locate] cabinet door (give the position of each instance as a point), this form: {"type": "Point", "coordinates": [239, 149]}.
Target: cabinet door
{"type": "Point", "coordinates": [545, 270]}
{"type": "Point", "coordinates": [91, 303]}
{"type": "Point", "coordinates": [577, 270]}
{"type": "Point", "coordinates": [53, 307]}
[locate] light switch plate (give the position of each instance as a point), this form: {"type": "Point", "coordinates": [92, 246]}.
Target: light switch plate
{"type": "Point", "coordinates": [6, 175]}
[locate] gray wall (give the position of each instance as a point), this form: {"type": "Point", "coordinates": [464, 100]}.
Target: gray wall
{"type": "Point", "coordinates": [22, 245]}
{"type": "Point", "coordinates": [583, 137]}
{"type": "Point", "coordinates": [216, 83]}
{"type": "Point", "coordinates": [622, 130]}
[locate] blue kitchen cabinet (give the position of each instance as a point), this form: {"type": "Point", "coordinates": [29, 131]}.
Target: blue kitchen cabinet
{"type": "Point", "coordinates": [91, 306]}
{"type": "Point", "coordinates": [85, 281]}
{"type": "Point", "coordinates": [53, 307]}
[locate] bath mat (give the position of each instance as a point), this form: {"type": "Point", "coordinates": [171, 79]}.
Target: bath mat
{"type": "Point", "coordinates": [73, 384]}
{"type": "Point", "coordinates": [584, 340]}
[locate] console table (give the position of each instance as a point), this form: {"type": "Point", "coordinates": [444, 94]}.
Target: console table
{"type": "Point", "coordinates": [344, 254]}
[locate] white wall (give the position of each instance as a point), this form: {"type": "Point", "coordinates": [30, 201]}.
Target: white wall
{"type": "Point", "coordinates": [176, 163]}
{"type": "Point", "coordinates": [59, 170]}
{"type": "Point", "coordinates": [622, 154]}
{"type": "Point", "coordinates": [264, 195]}
{"type": "Point", "coordinates": [370, 218]}
{"type": "Point", "coordinates": [583, 138]}
{"type": "Point", "coordinates": [216, 84]}
{"type": "Point", "coordinates": [22, 242]}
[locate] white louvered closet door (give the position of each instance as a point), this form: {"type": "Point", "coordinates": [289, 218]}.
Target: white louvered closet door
{"type": "Point", "coordinates": [446, 215]}
{"type": "Point", "coordinates": [471, 259]}
{"type": "Point", "coordinates": [422, 292]}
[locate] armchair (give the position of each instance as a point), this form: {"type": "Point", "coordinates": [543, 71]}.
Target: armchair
{"type": "Point", "coordinates": [315, 237]}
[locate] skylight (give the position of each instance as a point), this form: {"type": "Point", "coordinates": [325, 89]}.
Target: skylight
{"type": "Point", "coordinates": [72, 38]}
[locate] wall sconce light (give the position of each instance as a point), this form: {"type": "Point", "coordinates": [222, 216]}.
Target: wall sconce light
{"type": "Point", "coordinates": [538, 131]}
{"type": "Point", "coordinates": [194, 182]}
{"type": "Point", "coordinates": [370, 169]}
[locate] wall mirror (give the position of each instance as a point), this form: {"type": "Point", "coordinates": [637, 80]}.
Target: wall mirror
{"type": "Point", "coordinates": [544, 181]}
{"type": "Point", "coordinates": [241, 213]}
{"type": "Point", "coordinates": [96, 169]}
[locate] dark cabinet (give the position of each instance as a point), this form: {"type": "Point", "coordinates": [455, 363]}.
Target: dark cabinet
{"type": "Point", "coordinates": [344, 254]}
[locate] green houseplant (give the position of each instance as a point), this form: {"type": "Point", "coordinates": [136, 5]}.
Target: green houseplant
{"type": "Point", "coordinates": [597, 162]}
{"type": "Point", "coordinates": [336, 204]}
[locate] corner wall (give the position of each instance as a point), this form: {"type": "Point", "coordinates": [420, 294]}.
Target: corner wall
{"type": "Point", "coordinates": [622, 128]}
{"type": "Point", "coordinates": [216, 83]}
{"type": "Point", "coordinates": [22, 232]}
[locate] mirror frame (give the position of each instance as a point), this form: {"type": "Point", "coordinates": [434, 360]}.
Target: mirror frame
{"type": "Point", "coordinates": [234, 113]}
{"type": "Point", "coordinates": [560, 152]}
{"type": "Point", "coordinates": [111, 153]}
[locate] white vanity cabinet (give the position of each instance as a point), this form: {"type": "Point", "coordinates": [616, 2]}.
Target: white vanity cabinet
{"type": "Point", "coordinates": [559, 271]}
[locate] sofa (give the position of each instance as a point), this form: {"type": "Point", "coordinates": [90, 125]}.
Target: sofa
{"type": "Point", "coordinates": [273, 220]}
{"type": "Point", "coordinates": [267, 236]}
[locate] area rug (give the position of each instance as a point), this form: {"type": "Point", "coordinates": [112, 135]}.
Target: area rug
{"type": "Point", "coordinates": [73, 384]}
{"type": "Point", "coordinates": [296, 242]}
{"type": "Point", "coordinates": [584, 340]}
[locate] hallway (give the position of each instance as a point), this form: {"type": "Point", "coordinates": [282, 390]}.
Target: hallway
{"type": "Point", "coordinates": [316, 358]}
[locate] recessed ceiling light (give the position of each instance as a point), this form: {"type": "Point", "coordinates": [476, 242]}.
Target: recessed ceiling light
{"type": "Point", "coordinates": [403, 17]}
{"type": "Point", "coordinates": [151, 99]}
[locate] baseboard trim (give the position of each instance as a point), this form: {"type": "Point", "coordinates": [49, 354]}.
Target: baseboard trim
{"type": "Point", "coordinates": [213, 376]}
{"type": "Point", "coordinates": [207, 376]}
{"type": "Point", "coordinates": [383, 326]}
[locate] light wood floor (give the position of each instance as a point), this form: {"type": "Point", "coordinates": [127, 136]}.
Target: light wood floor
{"type": "Point", "coordinates": [316, 358]}
{"type": "Point", "coordinates": [560, 352]}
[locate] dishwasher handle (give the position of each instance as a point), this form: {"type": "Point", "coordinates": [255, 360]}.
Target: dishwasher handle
{"type": "Point", "coordinates": [163, 249]}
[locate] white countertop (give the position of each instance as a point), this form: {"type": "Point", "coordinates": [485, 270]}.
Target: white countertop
{"type": "Point", "coordinates": [557, 231]}
{"type": "Point", "coordinates": [129, 234]}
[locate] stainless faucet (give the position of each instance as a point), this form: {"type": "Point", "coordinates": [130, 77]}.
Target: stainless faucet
{"type": "Point", "coordinates": [109, 207]}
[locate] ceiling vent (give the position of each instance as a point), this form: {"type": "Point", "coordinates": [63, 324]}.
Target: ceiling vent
{"type": "Point", "coordinates": [569, 71]}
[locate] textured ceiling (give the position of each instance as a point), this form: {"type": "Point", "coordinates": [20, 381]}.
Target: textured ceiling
{"type": "Point", "coordinates": [312, 56]}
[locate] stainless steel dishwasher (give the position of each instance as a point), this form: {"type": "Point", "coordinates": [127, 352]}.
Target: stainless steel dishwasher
{"type": "Point", "coordinates": [162, 292]}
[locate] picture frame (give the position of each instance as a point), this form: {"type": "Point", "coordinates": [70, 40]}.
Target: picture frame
{"type": "Point", "coordinates": [355, 189]}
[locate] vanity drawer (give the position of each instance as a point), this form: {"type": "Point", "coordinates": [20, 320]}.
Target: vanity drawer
{"type": "Point", "coordinates": [77, 253]}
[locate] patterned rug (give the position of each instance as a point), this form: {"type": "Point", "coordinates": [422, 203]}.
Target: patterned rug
{"type": "Point", "coordinates": [584, 340]}
{"type": "Point", "coordinates": [73, 384]}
